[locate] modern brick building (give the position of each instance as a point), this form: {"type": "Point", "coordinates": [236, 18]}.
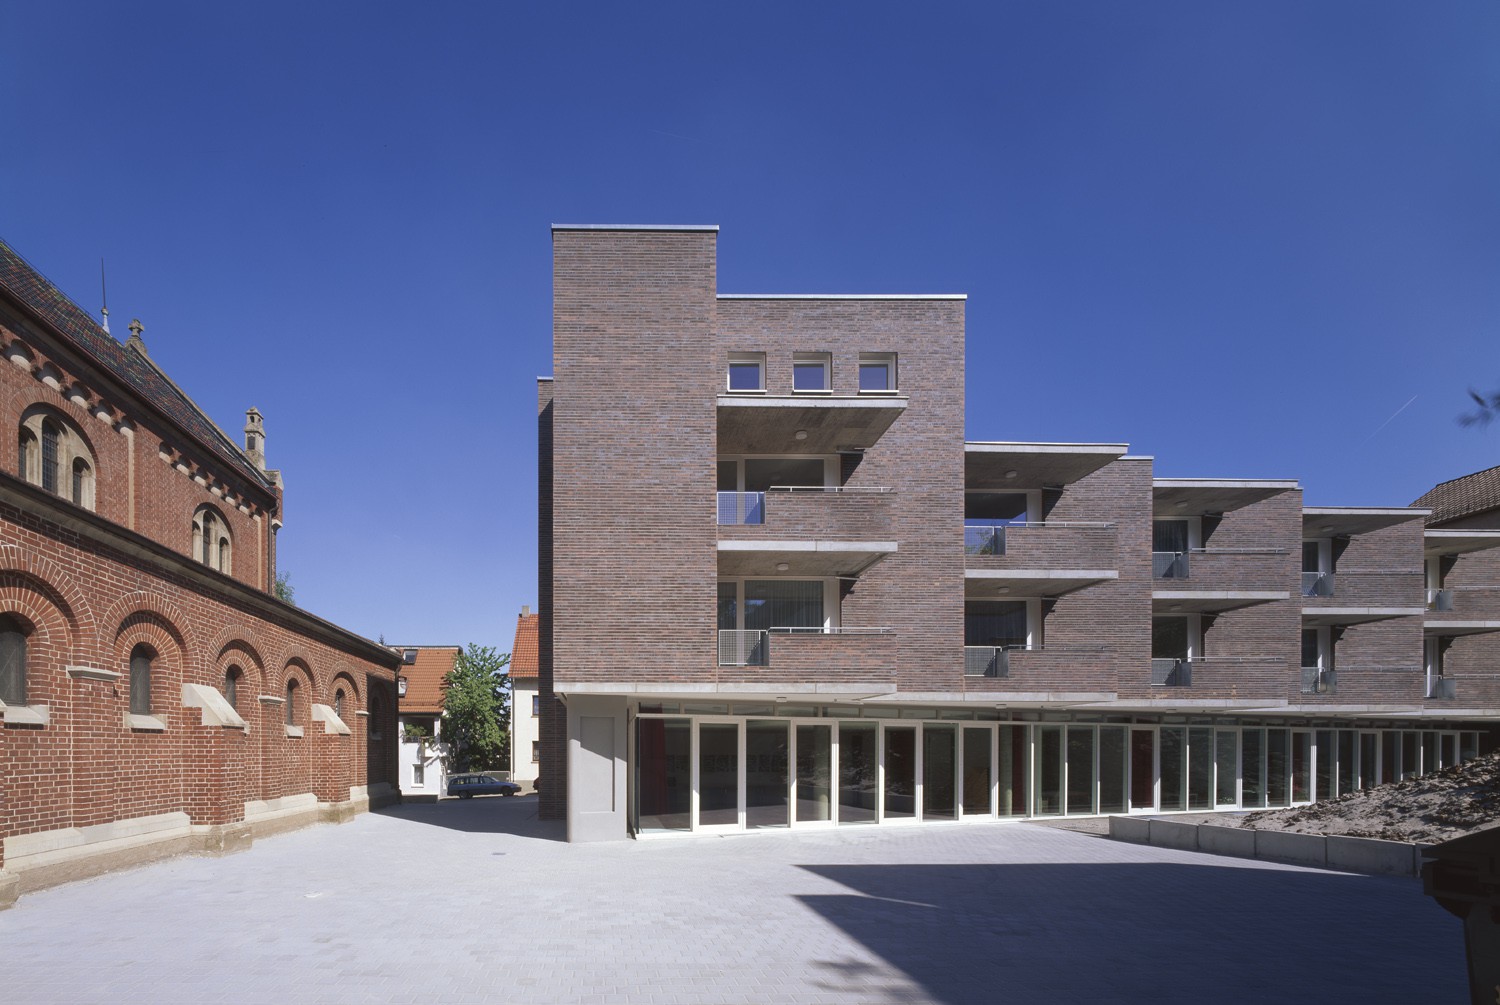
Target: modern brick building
{"type": "Point", "coordinates": [156, 697]}
{"type": "Point", "coordinates": [779, 588]}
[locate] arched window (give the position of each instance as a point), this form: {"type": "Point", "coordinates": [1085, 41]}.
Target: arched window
{"type": "Point", "coordinates": [140, 679]}
{"type": "Point", "coordinates": [51, 434]}
{"type": "Point", "coordinates": [291, 702]}
{"type": "Point", "coordinates": [83, 483]}
{"type": "Point", "coordinates": [54, 455]}
{"type": "Point", "coordinates": [338, 703]}
{"type": "Point", "coordinates": [212, 544]}
{"type": "Point", "coordinates": [232, 686]}
{"type": "Point", "coordinates": [12, 661]}
{"type": "Point", "coordinates": [27, 466]}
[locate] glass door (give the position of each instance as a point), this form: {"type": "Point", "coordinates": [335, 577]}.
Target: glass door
{"type": "Point", "coordinates": [767, 783]}
{"type": "Point", "coordinates": [939, 772]}
{"type": "Point", "coordinates": [859, 772]}
{"type": "Point", "coordinates": [814, 773]}
{"type": "Point", "coordinates": [1302, 766]}
{"type": "Point", "coordinates": [979, 775]}
{"type": "Point", "coordinates": [900, 773]}
{"type": "Point", "coordinates": [718, 764]}
{"type": "Point", "coordinates": [1142, 770]}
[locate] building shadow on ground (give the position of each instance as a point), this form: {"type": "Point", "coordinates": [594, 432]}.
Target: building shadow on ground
{"type": "Point", "coordinates": [515, 815]}
{"type": "Point", "coordinates": [1137, 932]}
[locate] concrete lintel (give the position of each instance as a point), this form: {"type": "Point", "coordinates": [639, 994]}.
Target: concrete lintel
{"type": "Point", "coordinates": [93, 673]}
{"type": "Point", "coordinates": [332, 724]}
{"type": "Point", "coordinates": [216, 708]}
{"type": "Point", "coordinates": [1264, 595]}
{"type": "Point", "coordinates": [1041, 574]}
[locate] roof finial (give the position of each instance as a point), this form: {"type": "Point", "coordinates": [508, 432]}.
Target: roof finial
{"type": "Point", "coordinates": [134, 341]}
{"type": "Point", "coordinates": [103, 296]}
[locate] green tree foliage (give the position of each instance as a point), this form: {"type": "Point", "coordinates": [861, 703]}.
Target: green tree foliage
{"type": "Point", "coordinates": [476, 710]}
{"type": "Point", "coordinates": [283, 589]}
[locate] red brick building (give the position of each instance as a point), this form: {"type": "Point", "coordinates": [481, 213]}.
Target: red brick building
{"type": "Point", "coordinates": [156, 697]}
{"type": "Point", "coordinates": [779, 588]}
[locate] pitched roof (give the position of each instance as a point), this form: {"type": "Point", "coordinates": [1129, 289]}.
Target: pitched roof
{"type": "Point", "coordinates": [1461, 497]}
{"type": "Point", "coordinates": [424, 677]}
{"type": "Point", "coordinates": [131, 367]}
{"type": "Point", "coordinates": [525, 660]}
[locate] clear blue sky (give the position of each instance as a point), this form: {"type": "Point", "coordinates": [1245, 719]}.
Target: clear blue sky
{"type": "Point", "coordinates": [1257, 239]}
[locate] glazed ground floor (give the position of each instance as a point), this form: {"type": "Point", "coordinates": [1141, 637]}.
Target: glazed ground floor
{"type": "Point", "coordinates": [720, 767]}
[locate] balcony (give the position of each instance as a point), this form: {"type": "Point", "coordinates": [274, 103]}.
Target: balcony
{"type": "Point", "coordinates": [1169, 672]}
{"type": "Point", "coordinates": [1442, 688]}
{"type": "Point", "coordinates": [1037, 559]}
{"type": "Point", "coordinates": [804, 424]}
{"type": "Point", "coordinates": [807, 653]}
{"type": "Point", "coordinates": [1052, 669]}
{"type": "Point", "coordinates": [1231, 677]}
{"type": "Point", "coordinates": [1317, 584]}
{"type": "Point", "coordinates": [1316, 680]}
{"type": "Point", "coordinates": [835, 531]}
{"type": "Point", "coordinates": [1358, 588]}
{"type": "Point", "coordinates": [1169, 565]}
{"type": "Point", "coordinates": [1440, 601]}
{"type": "Point", "coordinates": [1211, 580]}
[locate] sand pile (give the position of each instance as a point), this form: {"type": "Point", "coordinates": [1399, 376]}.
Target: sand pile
{"type": "Point", "coordinates": [1433, 808]}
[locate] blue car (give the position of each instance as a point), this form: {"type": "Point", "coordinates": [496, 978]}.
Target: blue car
{"type": "Point", "coordinates": [469, 786]}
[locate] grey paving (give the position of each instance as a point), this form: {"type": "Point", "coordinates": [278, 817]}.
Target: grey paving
{"type": "Point", "coordinates": [476, 901]}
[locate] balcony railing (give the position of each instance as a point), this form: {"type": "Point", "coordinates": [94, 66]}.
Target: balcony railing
{"type": "Point", "coordinates": [1441, 687]}
{"type": "Point", "coordinates": [986, 661]}
{"type": "Point", "coordinates": [1170, 672]}
{"type": "Point", "coordinates": [742, 507]}
{"type": "Point", "coordinates": [738, 648]}
{"type": "Point", "coordinates": [1316, 680]}
{"type": "Point", "coordinates": [1169, 564]}
{"type": "Point", "coordinates": [984, 540]}
{"type": "Point", "coordinates": [1317, 584]}
{"type": "Point", "coordinates": [1440, 600]}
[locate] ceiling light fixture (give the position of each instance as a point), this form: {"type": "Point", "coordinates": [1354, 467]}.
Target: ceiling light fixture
{"type": "Point", "coordinates": [801, 434]}
{"type": "Point", "coordinates": [782, 566]}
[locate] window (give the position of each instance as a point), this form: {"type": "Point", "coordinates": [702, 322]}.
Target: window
{"type": "Point", "coordinates": [536, 704]}
{"type": "Point", "coordinates": [232, 686]}
{"type": "Point", "coordinates": [877, 372]}
{"type": "Point", "coordinates": [997, 623]}
{"type": "Point", "coordinates": [1171, 540]}
{"type": "Point", "coordinates": [53, 455]}
{"type": "Point", "coordinates": [212, 544]}
{"type": "Point", "coordinates": [1317, 568]}
{"type": "Point", "coordinates": [536, 751]}
{"type": "Point", "coordinates": [783, 603]}
{"type": "Point", "coordinates": [419, 774]}
{"type": "Point", "coordinates": [408, 656]}
{"type": "Point", "coordinates": [140, 679]}
{"type": "Point", "coordinates": [747, 371]}
{"type": "Point", "coordinates": [338, 703]}
{"type": "Point", "coordinates": [810, 372]}
{"type": "Point", "coordinates": [291, 703]}
{"type": "Point", "coordinates": [12, 661]}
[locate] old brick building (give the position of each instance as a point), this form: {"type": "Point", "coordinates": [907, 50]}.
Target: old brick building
{"type": "Point", "coordinates": [156, 697]}
{"type": "Point", "coordinates": [778, 587]}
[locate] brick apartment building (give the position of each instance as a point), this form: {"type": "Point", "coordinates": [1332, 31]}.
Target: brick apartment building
{"type": "Point", "coordinates": [778, 587]}
{"type": "Point", "coordinates": [156, 697]}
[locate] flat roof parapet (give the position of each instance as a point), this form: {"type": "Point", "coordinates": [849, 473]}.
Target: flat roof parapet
{"type": "Point", "coordinates": [689, 227]}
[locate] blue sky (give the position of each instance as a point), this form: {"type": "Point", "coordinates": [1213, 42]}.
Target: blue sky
{"type": "Point", "coordinates": [1255, 239]}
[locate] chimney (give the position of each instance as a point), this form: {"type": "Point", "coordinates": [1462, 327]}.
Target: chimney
{"type": "Point", "coordinates": [255, 438]}
{"type": "Point", "coordinates": [525, 610]}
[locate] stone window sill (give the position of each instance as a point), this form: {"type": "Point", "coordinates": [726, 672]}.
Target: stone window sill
{"type": "Point", "coordinates": [23, 715]}
{"type": "Point", "coordinates": [144, 723]}
{"type": "Point", "coordinates": [294, 731]}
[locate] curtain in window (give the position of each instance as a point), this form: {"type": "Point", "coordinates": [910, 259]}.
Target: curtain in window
{"type": "Point", "coordinates": [995, 623]}
{"type": "Point", "coordinates": [783, 603]}
{"type": "Point", "coordinates": [1169, 638]}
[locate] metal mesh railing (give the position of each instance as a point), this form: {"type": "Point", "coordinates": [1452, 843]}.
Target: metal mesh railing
{"type": "Point", "coordinates": [1442, 687]}
{"type": "Point", "coordinates": [1169, 564]}
{"type": "Point", "coordinates": [740, 648]}
{"type": "Point", "coordinates": [1316, 680]}
{"type": "Point", "coordinates": [1440, 600]}
{"type": "Point", "coordinates": [742, 507]}
{"type": "Point", "coordinates": [1167, 672]}
{"type": "Point", "coordinates": [986, 661]}
{"type": "Point", "coordinates": [984, 540]}
{"type": "Point", "coordinates": [1317, 584]}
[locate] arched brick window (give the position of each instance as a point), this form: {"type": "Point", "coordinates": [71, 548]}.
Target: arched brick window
{"type": "Point", "coordinates": [232, 685]}
{"type": "Point", "coordinates": [212, 543]}
{"type": "Point", "coordinates": [338, 703]}
{"type": "Point", "coordinates": [54, 455]}
{"type": "Point", "coordinates": [12, 661]}
{"type": "Point", "coordinates": [291, 702]}
{"type": "Point", "coordinates": [140, 679]}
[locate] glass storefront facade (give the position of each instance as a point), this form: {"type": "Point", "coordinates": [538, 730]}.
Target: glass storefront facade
{"type": "Point", "coordinates": [726, 767]}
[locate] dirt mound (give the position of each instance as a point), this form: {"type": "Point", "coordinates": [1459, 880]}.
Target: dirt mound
{"type": "Point", "coordinates": [1433, 808]}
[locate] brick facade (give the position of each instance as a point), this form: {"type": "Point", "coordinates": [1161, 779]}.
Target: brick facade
{"type": "Point", "coordinates": [88, 586]}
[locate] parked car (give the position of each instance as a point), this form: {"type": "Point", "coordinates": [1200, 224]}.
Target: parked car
{"type": "Point", "coordinates": [469, 786]}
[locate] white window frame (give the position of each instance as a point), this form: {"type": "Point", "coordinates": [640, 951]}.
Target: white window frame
{"type": "Point", "coordinates": [822, 359]}
{"type": "Point", "coordinates": [892, 374]}
{"type": "Point", "coordinates": [744, 358]}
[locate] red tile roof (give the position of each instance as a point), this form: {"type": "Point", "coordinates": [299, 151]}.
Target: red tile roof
{"type": "Point", "coordinates": [1461, 497]}
{"type": "Point", "coordinates": [134, 369]}
{"type": "Point", "coordinates": [524, 659]}
{"type": "Point", "coordinates": [424, 678]}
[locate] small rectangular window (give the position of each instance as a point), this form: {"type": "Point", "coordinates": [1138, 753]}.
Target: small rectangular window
{"type": "Point", "coordinates": [877, 372]}
{"type": "Point", "coordinates": [408, 656]}
{"type": "Point", "coordinates": [419, 773]}
{"type": "Point", "coordinates": [536, 751]}
{"type": "Point", "coordinates": [747, 371]}
{"type": "Point", "coordinates": [536, 704]}
{"type": "Point", "coordinates": [810, 372]}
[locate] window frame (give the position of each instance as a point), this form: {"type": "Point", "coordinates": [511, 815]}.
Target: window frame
{"type": "Point", "coordinates": [885, 359]}
{"type": "Point", "coordinates": [822, 360]}
{"type": "Point", "coordinates": [18, 694]}
{"type": "Point", "coordinates": [141, 672]}
{"type": "Point", "coordinates": [756, 359]}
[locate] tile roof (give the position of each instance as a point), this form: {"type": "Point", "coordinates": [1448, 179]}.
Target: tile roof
{"type": "Point", "coordinates": [524, 658]}
{"type": "Point", "coordinates": [424, 678]}
{"type": "Point", "coordinates": [1461, 497]}
{"type": "Point", "coordinates": [134, 369]}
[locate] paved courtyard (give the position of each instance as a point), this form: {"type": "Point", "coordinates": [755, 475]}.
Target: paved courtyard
{"type": "Point", "coordinates": [477, 901]}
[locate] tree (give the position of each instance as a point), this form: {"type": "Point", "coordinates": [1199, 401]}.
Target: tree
{"type": "Point", "coordinates": [1486, 410]}
{"type": "Point", "coordinates": [283, 589]}
{"type": "Point", "coordinates": [476, 710]}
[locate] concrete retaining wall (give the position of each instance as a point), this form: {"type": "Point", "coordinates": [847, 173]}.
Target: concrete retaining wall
{"type": "Point", "coordinates": [1346, 854]}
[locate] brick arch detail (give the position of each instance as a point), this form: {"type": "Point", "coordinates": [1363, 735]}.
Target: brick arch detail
{"type": "Point", "coordinates": [342, 674]}
{"type": "Point", "coordinates": [49, 641]}
{"type": "Point", "coordinates": [58, 587]}
{"type": "Point", "coordinates": [157, 607]}
{"type": "Point", "coordinates": [295, 655]}
{"type": "Point", "coordinates": [233, 638]}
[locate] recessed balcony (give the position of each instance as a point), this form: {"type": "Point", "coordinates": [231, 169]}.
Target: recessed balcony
{"type": "Point", "coordinates": [843, 513]}
{"type": "Point", "coordinates": [812, 652]}
{"type": "Point", "coordinates": [1316, 680]}
{"type": "Point", "coordinates": [1037, 559]}
{"type": "Point", "coordinates": [1213, 580]}
{"type": "Point", "coordinates": [802, 424]}
{"type": "Point", "coordinates": [1044, 669]}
